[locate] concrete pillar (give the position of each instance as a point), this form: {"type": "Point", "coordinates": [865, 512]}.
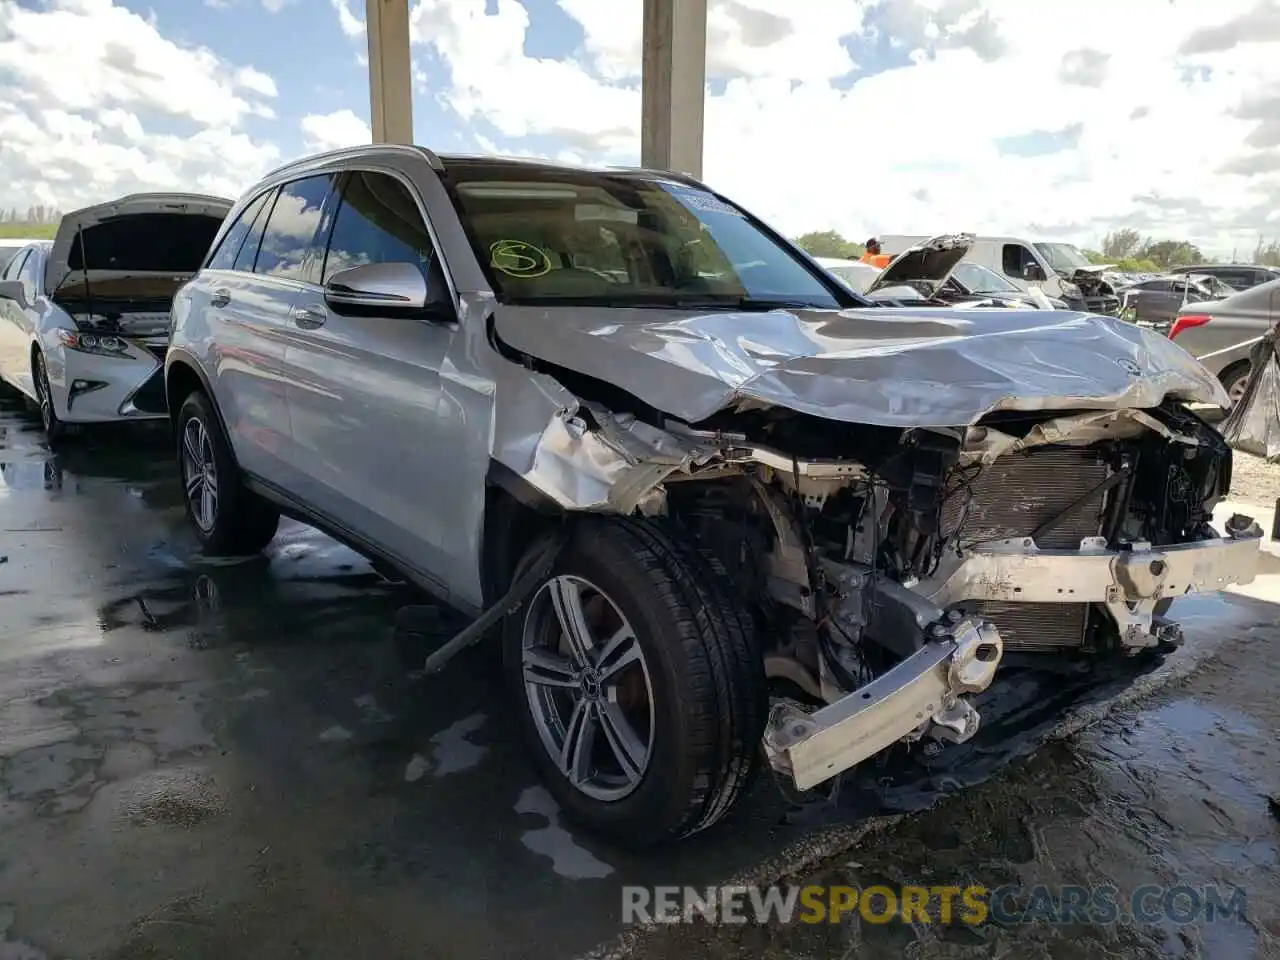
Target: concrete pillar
{"type": "Point", "coordinates": [674, 80]}
{"type": "Point", "coordinates": [390, 72]}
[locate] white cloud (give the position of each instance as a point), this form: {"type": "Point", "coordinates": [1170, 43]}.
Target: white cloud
{"type": "Point", "coordinates": [329, 131]}
{"type": "Point", "coordinates": [257, 81]}
{"type": "Point", "coordinates": [1168, 115]}
{"type": "Point", "coordinates": [87, 82]}
{"type": "Point", "coordinates": [351, 25]}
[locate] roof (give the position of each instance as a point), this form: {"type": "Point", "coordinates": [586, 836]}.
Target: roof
{"type": "Point", "coordinates": [443, 160]}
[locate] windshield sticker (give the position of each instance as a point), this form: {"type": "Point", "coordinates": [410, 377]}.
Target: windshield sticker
{"type": "Point", "coordinates": [699, 200]}
{"type": "Point", "coordinates": [518, 259]}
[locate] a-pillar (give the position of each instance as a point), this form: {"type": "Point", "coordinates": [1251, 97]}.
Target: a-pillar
{"type": "Point", "coordinates": [390, 71]}
{"type": "Point", "coordinates": [673, 79]}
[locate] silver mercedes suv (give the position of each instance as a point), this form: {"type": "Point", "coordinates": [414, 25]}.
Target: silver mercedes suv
{"type": "Point", "coordinates": [721, 512]}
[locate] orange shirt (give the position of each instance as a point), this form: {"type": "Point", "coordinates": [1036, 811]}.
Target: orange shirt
{"type": "Point", "coordinates": [877, 260]}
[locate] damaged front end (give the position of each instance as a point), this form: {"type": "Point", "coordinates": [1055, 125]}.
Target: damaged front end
{"type": "Point", "coordinates": [891, 581]}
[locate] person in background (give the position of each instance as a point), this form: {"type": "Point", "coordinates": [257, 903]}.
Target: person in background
{"type": "Point", "coordinates": [873, 255]}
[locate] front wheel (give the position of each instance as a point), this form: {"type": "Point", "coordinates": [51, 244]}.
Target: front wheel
{"type": "Point", "coordinates": [54, 429]}
{"type": "Point", "coordinates": [229, 519]}
{"type": "Point", "coordinates": [639, 687]}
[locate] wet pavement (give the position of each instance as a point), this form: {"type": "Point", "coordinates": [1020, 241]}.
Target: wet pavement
{"type": "Point", "coordinates": [204, 759]}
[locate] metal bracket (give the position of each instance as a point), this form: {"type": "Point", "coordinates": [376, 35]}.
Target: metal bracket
{"type": "Point", "coordinates": [525, 584]}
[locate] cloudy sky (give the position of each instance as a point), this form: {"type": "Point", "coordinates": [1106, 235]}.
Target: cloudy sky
{"type": "Point", "coordinates": [1057, 118]}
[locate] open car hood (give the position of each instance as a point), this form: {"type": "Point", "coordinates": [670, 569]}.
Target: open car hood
{"type": "Point", "coordinates": [889, 366]}
{"type": "Point", "coordinates": [1092, 271]}
{"type": "Point", "coordinates": [925, 266]}
{"type": "Point", "coordinates": [100, 241]}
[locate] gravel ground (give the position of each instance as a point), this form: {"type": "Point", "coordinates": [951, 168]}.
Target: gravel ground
{"type": "Point", "coordinates": [1254, 480]}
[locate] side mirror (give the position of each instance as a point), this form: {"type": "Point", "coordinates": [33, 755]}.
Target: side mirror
{"type": "Point", "coordinates": [379, 287]}
{"type": "Point", "coordinates": [1033, 273]}
{"type": "Point", "coordinates": [13, 290]}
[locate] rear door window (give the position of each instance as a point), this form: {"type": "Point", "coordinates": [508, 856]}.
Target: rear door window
{"type": "Point", "coordinates": [289, 240]}
{"type": "Point", "coordinates": [224, 257]}
{"type": "Point", "coordinates": [248, 255]}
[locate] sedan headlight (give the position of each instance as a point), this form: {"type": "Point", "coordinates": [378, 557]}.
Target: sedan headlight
{"type": "Point", "coordinates": [100, 345]}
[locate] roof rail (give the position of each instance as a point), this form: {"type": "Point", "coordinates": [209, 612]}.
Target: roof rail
{"type": "Point", "coordinates": [318, 159]}
{"type": "Point", "coordinates": [676, 175]}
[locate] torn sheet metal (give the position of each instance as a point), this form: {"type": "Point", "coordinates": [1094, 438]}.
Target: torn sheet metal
{"type": "Point", "coordinates": [584, 457]}
{"type": "Point", "coordinates": [886, 366]}
{"type": "Point", "coordinates": [986, 444]}
{"type": "Point", "coordinates": [1254, 423]}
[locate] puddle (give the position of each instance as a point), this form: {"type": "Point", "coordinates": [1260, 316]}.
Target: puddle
{"type": "Point", "coordinates": [568, 859]}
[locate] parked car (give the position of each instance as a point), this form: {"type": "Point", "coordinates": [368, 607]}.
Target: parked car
{"type": "Point", "coordinates": [716, 503]}
{"type": "Point", "coordinates": [933, 273]}
{"type": "Point", "coordinates": [84, 318]}
{"type": "Point", "coordinates": [1221, 333]}
{"type": "Point", "coordinates": [1060, 270]}
{"type": "Point", "coordinates": [1158, 300]}
{"type": "Point", "coordinates": [854, 274]}
{"type": "Point", "coordinates": [1238, 276]}
{"type": "Point", "coordinates": [10, 246]}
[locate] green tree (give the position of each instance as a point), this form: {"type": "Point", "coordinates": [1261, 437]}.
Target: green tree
{"type": "Point", "coordinates": [828, 243]}
{"type": "Point", "coordinates": [1172, 253]}
{"type": "Point", "coordinates": [1123, 244]}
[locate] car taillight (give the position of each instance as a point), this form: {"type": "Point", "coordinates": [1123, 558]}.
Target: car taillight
{"type": "Point", "coordinates": [1187, 322]}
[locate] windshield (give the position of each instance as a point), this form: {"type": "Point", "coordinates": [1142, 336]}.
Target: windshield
{"type": "Point", "coordinates": [1065, 258]}
{"type": "Point", "coordinates": [978, 279]}
{"type": "Point", "coordinates": [549, 235]}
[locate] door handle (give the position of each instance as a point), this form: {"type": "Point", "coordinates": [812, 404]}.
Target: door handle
{"type": "Point", "coordinates": [308, 318]}
{"type": "Point", "coordinates": [221, 297]}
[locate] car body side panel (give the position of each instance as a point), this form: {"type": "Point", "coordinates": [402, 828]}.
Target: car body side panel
{"type": "Point", "coordinates": [1237, 323]}
{"type": "Point", "coordinates": [240, 349]}
{"type": "Point", "coordinates": [366, 419]}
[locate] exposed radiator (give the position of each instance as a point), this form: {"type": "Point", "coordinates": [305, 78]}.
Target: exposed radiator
{"type": "Point", "coordinates": [1011, 498]}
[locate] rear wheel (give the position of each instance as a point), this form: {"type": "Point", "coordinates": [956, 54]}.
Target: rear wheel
{"type": "Point", "coordinates": [229, 519]}
{"type": "Point", "coordinates": [1235, 378]}
{"type": "Point", "coordinates": [641, 693]}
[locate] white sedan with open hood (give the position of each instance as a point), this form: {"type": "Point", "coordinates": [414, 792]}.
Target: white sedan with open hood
{"type": "Point", "coordinates": [84, 319]}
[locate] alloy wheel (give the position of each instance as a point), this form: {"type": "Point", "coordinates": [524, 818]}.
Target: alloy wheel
{"type": "Point", "coordinates": [589, 688]}
{"type": "Point", "coordinates": [1237, 388]}
{"type": "Point", "coordinates": [200, 474]}
{"type": "Point", "coordinates": [43, 394]}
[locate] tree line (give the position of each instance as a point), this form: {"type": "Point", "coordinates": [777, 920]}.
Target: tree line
{"type": "Point", "coordinates": [1127, 249]}
{"type": "Point", "coordinates": [38, 214]}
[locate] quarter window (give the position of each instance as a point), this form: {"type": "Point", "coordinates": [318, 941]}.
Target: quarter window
{"type": "Point", "coordinates": [292, 227]}
{"type": "Point", "coordinates": [224, 258]}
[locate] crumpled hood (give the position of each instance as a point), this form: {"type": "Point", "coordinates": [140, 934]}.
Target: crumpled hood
{"type": "Point", "coordinates": [886, 366]}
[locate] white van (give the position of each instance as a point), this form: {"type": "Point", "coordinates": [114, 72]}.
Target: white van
{"type": "Point", "coordinates": [1059, 269]}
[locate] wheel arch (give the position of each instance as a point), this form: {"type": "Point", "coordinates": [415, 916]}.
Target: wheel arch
{"type": "Point", "coordinates": [182, 377]}
{"type": "Point", "coordinates": [515, 514]}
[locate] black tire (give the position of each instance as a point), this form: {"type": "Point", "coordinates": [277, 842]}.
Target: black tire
{"type": "Point", "coordinates": [1232, 374]}
{"type": "Point", "coordinates": [708, 690]}
{"type": "Point", "coordinates": [54, 429]}
{"type": "Point", "coordinates": [243, 523]}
